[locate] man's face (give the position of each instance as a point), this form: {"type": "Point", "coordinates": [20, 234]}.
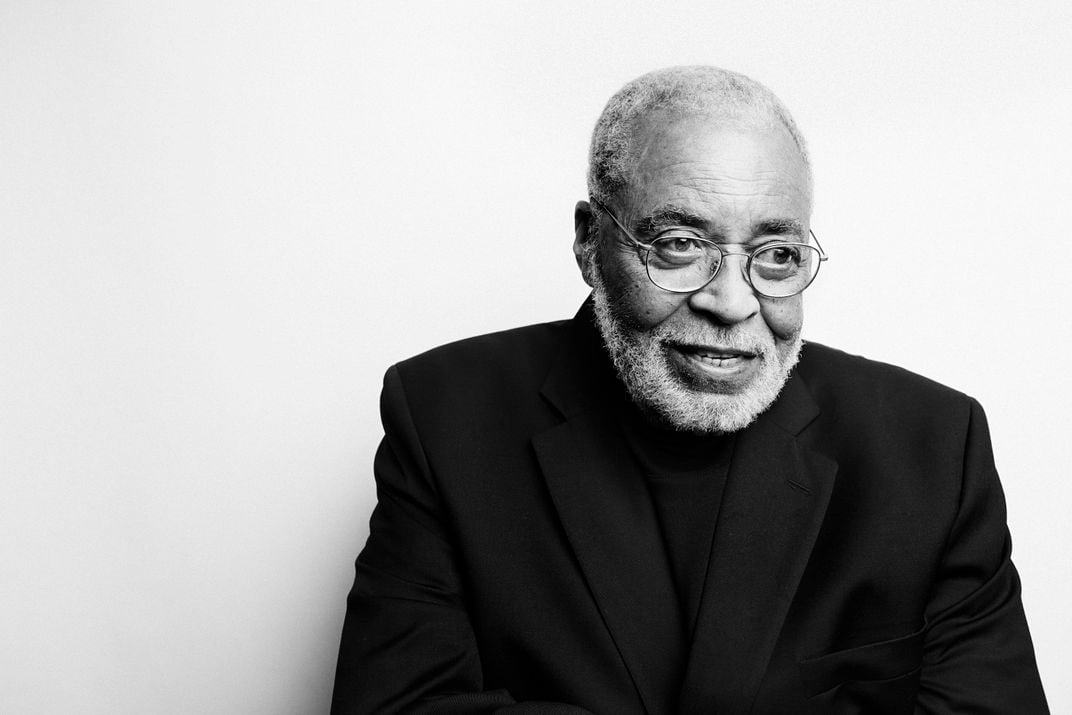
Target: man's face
{"type": "Point", "coordinates": [713, 359]}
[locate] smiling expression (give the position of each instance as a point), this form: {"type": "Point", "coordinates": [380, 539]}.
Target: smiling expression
{"type": "Point", "coordinates": [720, 353]}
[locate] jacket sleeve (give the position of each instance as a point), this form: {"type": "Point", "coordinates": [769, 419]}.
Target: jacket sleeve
{"type": "Point", "coordinates": [407, 642]}
{"type": "Point", "coordinates": [978, 655]}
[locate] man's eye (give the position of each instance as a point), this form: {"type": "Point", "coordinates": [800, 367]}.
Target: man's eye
{"type": "Point", "coordinates": [676, 252]}
{"type": "Point", "coordinates": [782, 255]}
{"type": "Point", "coordinates": [679, 245]}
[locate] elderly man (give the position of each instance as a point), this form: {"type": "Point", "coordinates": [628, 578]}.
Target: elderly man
{"type": "Point", "coordinates": [670, 504]}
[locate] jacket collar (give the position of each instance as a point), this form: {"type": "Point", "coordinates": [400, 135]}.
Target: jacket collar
{"type": "Point", "coordinates": [773, 505]}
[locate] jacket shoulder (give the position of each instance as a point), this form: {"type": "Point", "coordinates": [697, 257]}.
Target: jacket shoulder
{"type": "Point", "coordinates": [490, 364]}
{"type": "Point", "coordinates": [844, 382]}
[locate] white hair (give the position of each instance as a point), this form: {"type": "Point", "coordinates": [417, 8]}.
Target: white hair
{"type": "Point", "coordinates": [682, 91]}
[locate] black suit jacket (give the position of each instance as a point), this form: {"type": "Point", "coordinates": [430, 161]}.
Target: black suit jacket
{"type": "Point", "coordinates": [860, 560]}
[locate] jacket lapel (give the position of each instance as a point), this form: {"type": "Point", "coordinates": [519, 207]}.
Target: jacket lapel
{"type": "Point", "coordinates": [605, 509]}
{"type": "Point", "coordinates": [772, 507]}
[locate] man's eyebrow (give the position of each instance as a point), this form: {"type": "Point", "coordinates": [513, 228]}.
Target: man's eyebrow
{"type": "Point", "coordinates": [668, 215]}
{"type": "Point", "coordinates": [780, 227]}
{"type": "Point", "coordinates": [673, 215]}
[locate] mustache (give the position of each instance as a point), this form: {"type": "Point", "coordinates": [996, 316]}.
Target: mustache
{"type": "Point", "coordinates": [713, 336]}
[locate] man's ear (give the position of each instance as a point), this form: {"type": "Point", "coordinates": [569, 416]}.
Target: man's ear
{"type": "Point", "coordinates": [582, 221]}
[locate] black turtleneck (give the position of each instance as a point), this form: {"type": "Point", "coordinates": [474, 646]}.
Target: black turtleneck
{"type": "Point", "coordinates": [685, 475]}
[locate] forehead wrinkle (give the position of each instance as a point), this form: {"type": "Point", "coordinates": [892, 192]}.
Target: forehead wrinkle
{"type": "Point", "coordinates": [725, 174]}
{"type": "Point", "coordinates": [702, 178]}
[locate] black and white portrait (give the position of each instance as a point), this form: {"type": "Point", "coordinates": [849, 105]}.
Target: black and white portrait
{"type": "Point", "coordinates": [226, 227]}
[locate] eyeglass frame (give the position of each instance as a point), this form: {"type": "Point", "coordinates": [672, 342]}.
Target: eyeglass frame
{"type": "Point", "coordinates": [649, 247]}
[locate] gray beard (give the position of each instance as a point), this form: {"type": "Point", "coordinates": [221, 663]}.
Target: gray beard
{"type": "Point", "coordinates": [663, 394]}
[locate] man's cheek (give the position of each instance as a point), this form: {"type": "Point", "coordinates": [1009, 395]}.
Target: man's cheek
{"type": "Point", "coordinates": [784, 317]}
{"type": "Point", "coordinates": [637, 304]}
{"type": "Point", "coordinates": [650, 313]}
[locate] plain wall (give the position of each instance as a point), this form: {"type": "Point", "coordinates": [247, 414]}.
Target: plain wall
{"type": "Point", "coordinates": [220, 222]}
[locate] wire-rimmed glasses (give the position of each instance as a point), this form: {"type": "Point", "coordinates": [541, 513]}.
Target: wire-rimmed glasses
{"type": "Point", "coordinates": [679, 260]}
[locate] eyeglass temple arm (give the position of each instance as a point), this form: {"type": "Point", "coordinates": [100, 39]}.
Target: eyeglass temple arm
{"type": "Point", "coordinates": [627, 232]}
{"type": "Point", "coordinates": [822, 252]}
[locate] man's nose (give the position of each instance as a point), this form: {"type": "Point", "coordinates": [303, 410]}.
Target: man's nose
{"type": "Point", "coordinates": [728, 298]}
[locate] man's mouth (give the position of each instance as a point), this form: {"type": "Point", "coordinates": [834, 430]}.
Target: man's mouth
{"type": "Point", "coordinates": [716, 355]}
{"type": "Point", "coordinates": [715, 366]}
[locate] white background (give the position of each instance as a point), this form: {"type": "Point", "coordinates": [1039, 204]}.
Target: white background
{"type": "Point", "coordinates": [220, 222]}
